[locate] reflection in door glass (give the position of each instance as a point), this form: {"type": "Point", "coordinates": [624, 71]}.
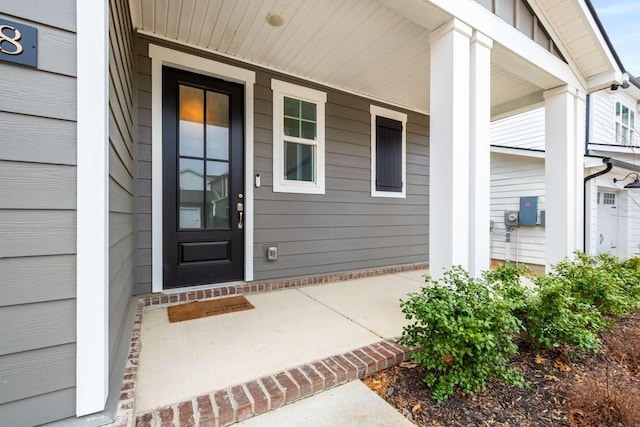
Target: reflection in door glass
{"type": "Point", "coordinates": [217, 194]}
{"type": "Point", "coordinates": [203, 159]}
{"type": "Point", "coordinates": [191, 193]}
{"type": "Point", "coordinates": [191, 136]}
{"type": "Point", "coordinates": [217, 126]}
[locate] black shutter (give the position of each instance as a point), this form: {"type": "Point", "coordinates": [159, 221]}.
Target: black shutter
{"type": "Point", "coordinates": [388, 155]}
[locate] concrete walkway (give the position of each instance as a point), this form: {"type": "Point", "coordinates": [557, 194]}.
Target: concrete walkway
{"type": "Point", "coordinates": [352, 404]}
{"type": "Point", "coordinates": [287, 329]}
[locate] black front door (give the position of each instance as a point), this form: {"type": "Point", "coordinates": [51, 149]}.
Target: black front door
{"type": "Point", "coordinates": [203, 179]}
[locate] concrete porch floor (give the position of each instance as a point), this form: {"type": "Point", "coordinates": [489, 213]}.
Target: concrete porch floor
{"type": "Point", "coordinates": [287, 328]}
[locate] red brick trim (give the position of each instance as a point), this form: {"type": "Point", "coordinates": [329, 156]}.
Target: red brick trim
{"type": "Point", "coordinates": [267, 393]}
{"type": "Point", "coordinates": [264, 286]}
{"type": "Point", "coordinates": [237, 403]}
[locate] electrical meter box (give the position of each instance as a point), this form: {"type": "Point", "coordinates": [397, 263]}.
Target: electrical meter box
{"type": "Point", "coordinates": [528, 211]}
{"type": "Point", "coordinates": [510, 218]}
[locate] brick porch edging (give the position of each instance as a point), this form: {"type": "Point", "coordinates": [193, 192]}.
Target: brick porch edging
{"type": "Point", "coordinates": [240, 402]}
{"type": "Point", "coordinates": [126, 403]}
{"type": "Point", "coordinates": [271, 285]}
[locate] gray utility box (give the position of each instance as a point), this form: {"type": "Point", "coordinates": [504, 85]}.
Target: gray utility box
{"type": "Point", "coordinates": [528, 211]}
{"type": "Point", "coordinates": [511, 218]}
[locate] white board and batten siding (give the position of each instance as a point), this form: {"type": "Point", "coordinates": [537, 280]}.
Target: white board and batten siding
{"type": "Point", "coordinates": [513, 177]}
{"type": "Point", "coordinates": [38, 220]}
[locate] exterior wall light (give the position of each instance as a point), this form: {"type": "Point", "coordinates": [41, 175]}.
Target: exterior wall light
{"type": "Point", "coordinates": [635, 184]}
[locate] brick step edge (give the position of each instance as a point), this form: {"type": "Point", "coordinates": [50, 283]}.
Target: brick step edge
{"type": "Point", "coordinates": [238, 403]}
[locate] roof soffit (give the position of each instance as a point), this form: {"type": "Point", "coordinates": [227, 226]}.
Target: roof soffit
{"type": "Point", "coordinates": [574, 29]}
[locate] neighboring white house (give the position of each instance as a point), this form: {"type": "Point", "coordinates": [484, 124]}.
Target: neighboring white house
{"type": "Point", "coordinates": [518, 170]}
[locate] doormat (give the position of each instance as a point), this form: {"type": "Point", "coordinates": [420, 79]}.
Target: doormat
{"type": "Point", "coordinates": [199, 309]}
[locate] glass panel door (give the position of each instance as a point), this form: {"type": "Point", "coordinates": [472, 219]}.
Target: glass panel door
{"type": "Point", "coordinates": [203, 158]}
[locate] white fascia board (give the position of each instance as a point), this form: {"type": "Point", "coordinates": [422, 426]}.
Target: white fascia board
{"type": "Point", "coordinates": [92, 232]}
{"type": "Point", "coordinates": [604, 80]}
{"type": "Point", "coordinates": [517, 152]}
{"type": "Point", "coordinates": [602, 148]}
{"type": "Point", "coordinates": [592, 162]}
{"type": "Point", "coordinates": [507, 36]}
{"type": "Point", "coordinates": [582, 5]}
{"type": "Point", "coordinates": [529, 56]}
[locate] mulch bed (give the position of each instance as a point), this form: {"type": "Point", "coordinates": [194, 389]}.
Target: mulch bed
{"type": "Point", "coordinates": [552, 376]}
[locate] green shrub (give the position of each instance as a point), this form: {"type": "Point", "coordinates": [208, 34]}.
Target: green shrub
{"type": "Point", "coordinates": [461, 334]}
{"type": "Point", "coordinates": [577, 297]}
{"type": "Point", "coordinates": [556, 317]}
{"type": "Point", "coordinates": [601, 281]}
{"type": "Point", "coordinates": [506, 282]}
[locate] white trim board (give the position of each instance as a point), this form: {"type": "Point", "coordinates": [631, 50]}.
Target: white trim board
{"type": "Point", "coordinates": [164, 56]}
{"type": "Point", "coordinates": [518, 152]}
{"type": "Point", "coordinates": [280, 184]}
{"type": "Point", "coordinates": [92, 238]}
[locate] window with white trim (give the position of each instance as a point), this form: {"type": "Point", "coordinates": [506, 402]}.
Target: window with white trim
{"type": "Point", "coordinates": [298, 138]}
{"type": "Point", "coordinates": [625, 124]}
{"type": "Point", "coordinates": [388, 153]}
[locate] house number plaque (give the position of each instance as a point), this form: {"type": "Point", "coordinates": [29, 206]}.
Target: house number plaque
{"type": "Point", "coordinates": [18, 43]}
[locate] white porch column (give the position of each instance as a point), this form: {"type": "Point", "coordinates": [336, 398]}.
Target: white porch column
{"type": "Point", "coordinates": [449, 148]}
{"type": "Point", "coordinates": [92, 234]}
{"type": "Point", "coordinates": [480, 154]}
{"type": "Point", "coordinates": [563, 172]}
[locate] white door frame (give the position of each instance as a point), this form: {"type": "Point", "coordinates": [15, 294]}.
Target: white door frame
{"type": "Point", "coordinates": [164, 56]}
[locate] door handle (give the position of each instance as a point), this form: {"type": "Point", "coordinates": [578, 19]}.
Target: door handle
{"type": "Point", "coordinates": [601, 238]}
{"type": "Point", "coordinates": [240, 208]}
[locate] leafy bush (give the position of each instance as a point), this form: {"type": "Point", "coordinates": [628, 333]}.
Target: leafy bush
{"type": "Point", "coordinates": [505, 281]}
{"type": "Point", "coordinates": [556, 317]}
{"type": "Point", "coordinates": [461, 335]}
{"type": "Point", "coordinates": [574, 301]}
{"type": "Point", "coordinates": [601, 281]}
{"type": "Point", "coordinates": [463, 328]}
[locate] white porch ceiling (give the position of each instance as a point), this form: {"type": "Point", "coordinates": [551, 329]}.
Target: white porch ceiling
{"type": "Point", "coordinates": [357, 45]}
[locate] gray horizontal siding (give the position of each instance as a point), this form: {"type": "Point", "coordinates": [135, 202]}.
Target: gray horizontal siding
{"type": "Point", "coordinates": [39, 278]}
{"type": "Point", "coordinates": [33, 326]}
{"type": "Point", "coordinates": [58, 43]}
{"type": "Point", "coordinates": [37, 139]}
{"type": "Point", "coordinates": [345, 228]}
{"type": "Point", "coordinates": [142, 155]}
{"type": "Point", "coordinates": [37, 232]}
{"type": "Point", "coordinates": [50, 406]}
{"type": "Point", "coordinates": [36, 372]}
{"type": "Point", "coordinates": [33, 92]}
{"type": "Point", "coordinates": [55, 13]}
{"type": "Point", "coordinates": [121, 173]}
{"type": "Point", "coordinates": [37, 186]}
{"type": "Point", "coordinates": [38, 220]}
